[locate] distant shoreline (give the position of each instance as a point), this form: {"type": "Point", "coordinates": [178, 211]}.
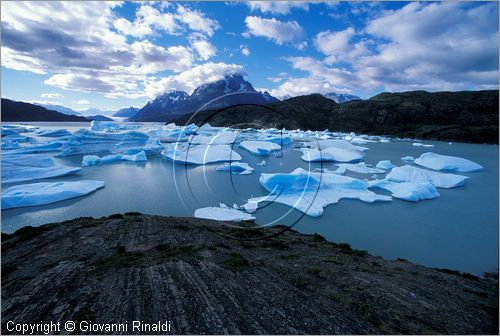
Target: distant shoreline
{"type": "Point", "coordinates": [187, 271]}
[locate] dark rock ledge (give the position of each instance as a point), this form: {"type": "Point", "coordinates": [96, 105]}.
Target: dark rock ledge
{"type": "Point", "coordinates": [138, 267]}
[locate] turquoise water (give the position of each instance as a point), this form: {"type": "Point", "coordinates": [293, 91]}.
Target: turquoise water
{"type": "Point", "coordinates": [458, 230]}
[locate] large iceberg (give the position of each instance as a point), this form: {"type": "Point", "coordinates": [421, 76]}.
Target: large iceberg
{"type": "Point", "coordinates": [54, 133]}
{"type": "Point", "coordinates": [338, 143]}
{"type": "Point", "coordinates": [260, 147]}
{"type": "Point", "coordinates": [46, 192]}
{"type": "Point", "coordinates": [332, 154]}
{"type": "Point", "coordinates": [240, 168]}
{"type": "Point", "coordinates": [310, 192]}
{"type": "Point", "coordinates": [200, 154]}
{"type": "Point", "coordinates": [447, 163]}
{"type": "Point", "coordinates": [88, 142]}
{"type": "Point", "coordinates": [223, 213]}
{"type": "Point", "coordinates": [418, 175]}
{"type": "Point", "coordinates": [130, 155]}
{"type": "Point", "coordinates": [53, 146]}
{"type": "Point", "coordinates": [173, 133]}
{"type": "Point", "coordinates": [111, 126]}
{"type": "Point", "coordinates": [20, 168]}
{"type": "Point", "coordinates": [225, 137]}
{"type": "Point", "coordinates": [408, 191]}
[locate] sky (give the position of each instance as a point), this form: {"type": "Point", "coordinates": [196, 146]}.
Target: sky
{"type": "Point", "coordinates": [112, 55]}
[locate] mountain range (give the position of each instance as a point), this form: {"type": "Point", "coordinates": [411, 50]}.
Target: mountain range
{"type": "Point", "coordinates": [233, 89]}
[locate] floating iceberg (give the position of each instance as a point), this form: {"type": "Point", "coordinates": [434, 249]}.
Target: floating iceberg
{"type": "Point", "coordinates": [222, 213]}
{"type": "Point", "coordinates": [361, 168]}
{"type": "Point", "coordinates": [173, 133]}
{"type": "Point", "coordinates": [447, 163]}
{"type": "Point", "coordinates": [54, 133]}
{"type": "Point", "coordinates": [310, 192]}
{"type": "Point", "coordinates": [10, 145]}
{"type": "Point", "coordinates": [260, 147]}
{"type": "Point", "coordinates": [418, 175]}
{"type": "Point", "coordinates": [220, 138]}
{"type": "Point", "coordinates": [262, 163]}
{"type": "Point", "coordinates": [20, 168]}
{"type": "Point", "coordinates": [200, 154]}
{"type": "Point", "coordinates": [322, 144]}
{"type": "Point", "coordinates": [88, 142]}
{"type": "Point", "coordinates": [46, 192]}
{"type": "Point", "coordinates": [332, 154]}
{"type": "Point", "coordinates": [17, 138]}
{"type": "Point", "coordinates": [111, 126]}
{"type": "Point", "coordinates": [408, 191]}
{"type": "Point", "coordinates": [39, 148]}
{"type": "Point", "coordinates": [419, 144]}
{"type": "Point", "coordinates": [407, 159]}
{"type": "Point", "coordinates": [385, 164]}
{"type": "Point", "coordinates": [240, 168]}
{"type": "Point", "coordinates": [130, 155]}
{"type": "Point", "coordinates": [17, 129]}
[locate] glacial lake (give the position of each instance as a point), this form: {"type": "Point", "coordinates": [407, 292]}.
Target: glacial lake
{"type": "Point", "coordinates": [458, 230]}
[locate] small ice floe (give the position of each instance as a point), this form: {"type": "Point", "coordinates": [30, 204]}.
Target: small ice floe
{"type": "Point", "coordinates": [11, 129]}
{"type": "Point", "coordinates": [173, 133]}
{"type": "Point", "coordinates": [111, 126]}
{"type": "Point", "coordinates": [385, 164]}
{"type": "Point", "coordinates": [200, 154]}
{"type": "Point", "coordinates": [337, 143]}
{"type": "Point", "coordinates": [223, 213]}
{"type": "Point", "coordinates": [27, 167]}
{"type": "Point", "coordinates": [418, 175]}
{"type": "Point", "coordinates": [332, 154]}
{"type": "Point", "coordinates": [46, 192]}
{"type": "Point", "coordinates": [310, 192]}
{"type": "Point", "coordinates": [260, 147]}
{"type": "Point", "coordinates": [407, 159]}
{"type": "Point", "coordinates": [18, 138]}
{"type": "Point", "coordinates": [262, 163]}
{"type": "Point", "coordinates": [240, 168]}
{"type": "Point", "coordinates": [10, 145]}
{"type": "Point", "coordinates": [130, 155]}
{"type": "Point", "coordinates": [419, 144]}
{"type": "Point", "coordinates": [384, 140]}
{"type": "Point", "coordinates": [54, 133]}
{"type": "Point", "coordinates": [408, 191]}
{"type": "Point", "coordinates": [360, 168]}
{"type": "Point", "coordinates": [447, 163]}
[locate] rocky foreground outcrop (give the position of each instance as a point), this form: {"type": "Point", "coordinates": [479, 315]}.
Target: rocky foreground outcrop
{"type": "Point", "coordinates": [208, 277]}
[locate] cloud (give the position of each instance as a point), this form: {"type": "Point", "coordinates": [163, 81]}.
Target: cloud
{"type": "Point", "coordinates": [276, 7]}
{"type": "Point", "coordinates": [204, 48]}
{"type": "Point", "coordinates": [52, 95]}
{"type": "Point", "coordinates": [196, 20]}
{"type": "Point", "coordinates": [278, 31]}
{"type": "Point", "coordinates": [82, 102]}
{"type": "Point", "coordinates": [192, 78]}
{"type": "Point", "coordinates": [244, 50]}
{"type": "Point", "coordinates": [303, 86]}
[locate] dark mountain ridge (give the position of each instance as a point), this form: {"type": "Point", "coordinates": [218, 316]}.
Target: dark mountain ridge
{"type": "Point", "coordinates": [466, 116]}
{"type": "Point", "coordinates": [20, 111]}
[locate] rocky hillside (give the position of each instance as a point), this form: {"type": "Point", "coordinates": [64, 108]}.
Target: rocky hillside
{"type": "Point", "coordinates": [469, 116]}
{"type": "Point", "coordinates": [13, 111]}
{"type": "Point", "coordinates": [209, 278]}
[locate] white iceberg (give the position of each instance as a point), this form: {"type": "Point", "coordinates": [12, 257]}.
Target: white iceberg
{"type": "Point", "coordinates": [111, 126]}
{"type": "Point", "coordinates": [223, 214]}
{"type": "Point", "coordinates": [10, 128]}
{"type": "Point", "coordinates": [240, 168]}
{"type": "Point", "coordinates": [360, 168]}
{"type": "Point", "coordinates": [407, 159]}
{"type": "Point", "coordinates": [200, 154]}
{"type": "Point", "coordinates": [385, 164]}
{"type": "Point", "coordinates": [20, 168]}
{"type": "Point", "coordinates": [260, 147]}
{"type": "Point", "coordinates": [332, 154]}
{"type": "Point", "coordinates": [310, 192]}
{"type": "Point", "coordinates": [419, 144]}
{"type": "Point", "coordinates": [173, 133]}
{"type": "Point", "coordinates": [131, 155]}
{"type": "Point", "coordinates": [54, 133]}
{"type": "Point", "coordinates": [447, 163]}
{"type": "Point", "coordinates": [39, 148]}
{"type": "Point", "coordinates": [46, 192]}
{"type": "Point", "coordinates": [408, 191]}
{"type": "Point", "coordinates": [220, 138]}
{"type": "Point", "coordinates": [418, 175]}
{"type": "Point", "coordinates": [322, 144]}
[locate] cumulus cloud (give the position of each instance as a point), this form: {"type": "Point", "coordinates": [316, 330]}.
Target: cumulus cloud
{"type": "Point", "coordinates": [82, 102]}
{"type": "Point", "coordinates": [275, 30]}
{"type": "Point", "coordinates": [192, 78]}
{"type": "Point", "coordinates": [244, 50]}
{"type": "Point", "coordinates": [303, 86]}
{"type": "Point", "coordinates": [197, 21]}
{"type": "Point", "coordinates": [204, 48]}
{"type": "Point", "coordinates": [52, 95]}
{"type": "Point", "coordinates": [277, 7]}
